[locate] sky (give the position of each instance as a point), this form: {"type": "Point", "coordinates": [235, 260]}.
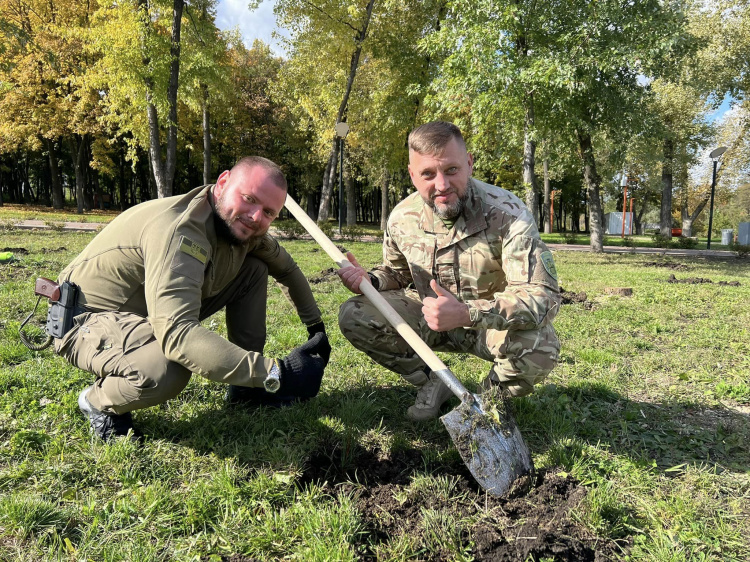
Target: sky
{"type": "Point", "coordinates": [258, 24]}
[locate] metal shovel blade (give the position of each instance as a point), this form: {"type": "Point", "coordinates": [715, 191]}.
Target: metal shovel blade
{"type": "Point", "coordinates": [489, 442]}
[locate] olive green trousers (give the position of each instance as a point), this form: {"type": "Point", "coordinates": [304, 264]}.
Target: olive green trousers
{"type": "Point", "coordinates": [130, 367]}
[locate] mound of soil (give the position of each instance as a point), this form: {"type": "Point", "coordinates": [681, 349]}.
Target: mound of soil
{"type": "Point", "coordinates": [21, 251]}
{"type": "Point", "coordinates": [532, 526]}
{"type": "Point", "coordinates": [701, 280]}
{"type": "Point", "coordinates": [670, 265]}
{"type": "Point", "coordinates": [324, 276]}
{"type": "Point", "coordinates": [573, 298]}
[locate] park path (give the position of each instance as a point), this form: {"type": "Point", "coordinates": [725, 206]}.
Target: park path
{"type": "Point", "coordinates": [93, 227]}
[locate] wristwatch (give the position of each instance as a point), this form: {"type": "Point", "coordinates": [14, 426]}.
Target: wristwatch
{"type": "Point", "coordinates": [273, 379]}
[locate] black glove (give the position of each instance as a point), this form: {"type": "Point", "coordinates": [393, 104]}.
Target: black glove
{"type": "Point", "coordinates": [316, 329]}
{"type": "Point", "coordinates": [302, 370]}
{"type": "Point", "coordinates": [324, 348]}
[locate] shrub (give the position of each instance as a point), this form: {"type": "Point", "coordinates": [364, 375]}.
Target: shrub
{"type": "Point", "coordinates": [569, 237]}
{"type": "Point", "coordinates": [661, 241]}
{"type": "Point", "coordinates": [686, 242]}
{"type": "Point", "coordinates": [740, 250]}
{"type": "Point", "coordinates": [353, 232]}
{"type": "Point", "coordinates": [328, 228]}
{"type": "Point", "coordinates": [629, 242]}
{"type": "Point", "coordinates": [290, 229]}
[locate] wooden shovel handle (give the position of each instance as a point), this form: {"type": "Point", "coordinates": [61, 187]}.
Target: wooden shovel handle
{"type": "Point", "coordinates": [406, 331]}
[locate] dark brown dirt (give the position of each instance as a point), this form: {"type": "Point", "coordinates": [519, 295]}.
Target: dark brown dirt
{"type": "Point", "coordinates": [324, 276]}
{"type": "Point", "coordinates": [576, 298]}
{"type": "Point", "coordinates": [21, 251]}
{"type": "Point", "coordinates": [701, 280]}
{"type": "Point", "coordinates": [670, 265]}
{"type": "Point", "coordinates": [532, 526]}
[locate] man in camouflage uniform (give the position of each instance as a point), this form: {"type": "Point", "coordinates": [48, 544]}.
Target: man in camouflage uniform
{"type": "Point", "coordinates": [149, 278]}
{"type": "Point", "coordinates": [465, 267]}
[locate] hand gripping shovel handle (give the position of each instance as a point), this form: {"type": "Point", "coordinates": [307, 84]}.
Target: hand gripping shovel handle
{"type": "Point", "coordinates": [393, 317]}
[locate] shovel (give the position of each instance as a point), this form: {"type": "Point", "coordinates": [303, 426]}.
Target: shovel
{"type": "Point", "coordinates": [482, 427]}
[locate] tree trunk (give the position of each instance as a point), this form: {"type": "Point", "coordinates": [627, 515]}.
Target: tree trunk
{"type": "Point", "coordinates": [163, 170]}
{"type": "Point", "coordinates": [77, 151]}
{"type": "Point", "coordinates": [54, 170]}
{"type": "Point", "coordinates": [529, 151]}
{"type": "Point", "coordinates": [547, 196]}
{"type": "Point", "coordinates": [359, 39]}
{"type": "Point", "coordinates": [591, 181]}
{"type": "Point", "coordinates": [665, 222]}
{"type": "Point", "coordinates": [329, 180]}
{"type": "Point", "coordinates": [206, 137]}
{"type": "Point", "coordinates": [384, 199]}
{"type": "Point", "coordinates": [351, 200]}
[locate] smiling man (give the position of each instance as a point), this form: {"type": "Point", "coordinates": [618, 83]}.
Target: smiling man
{"type": "Point", "coordinates": [465, 267]}
{"type": "Point", "coordinates": [154, 273]}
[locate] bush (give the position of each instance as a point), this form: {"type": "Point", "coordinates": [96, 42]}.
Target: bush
{"type": "Point", "coordinates": [741, 250]}
{"type": "Point", "coordinates": [328, 228]}
{"type": "Point", "coordinates": [353, 232]}
{"type": "Point", "coordinates": [687, 243]}
{"type": "Point", "coordinates": [661, 241]}
{"type": "Point", "coordinates": [569, 237]}
{"type": "Point", "coordinates": [629, 242]}
{"type": "Point", "coordinates": [290, 229]}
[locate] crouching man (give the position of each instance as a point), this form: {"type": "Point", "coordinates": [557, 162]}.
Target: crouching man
{"type": "Point", "coordinates": [465, 267]}
{"type": "Point", "coordinates": [148, 279]}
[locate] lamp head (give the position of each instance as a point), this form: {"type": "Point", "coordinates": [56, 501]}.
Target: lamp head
{"type": "Point", "coordinates": [716, 152]}
{"type": "Point", "coordinates": [342, 129]}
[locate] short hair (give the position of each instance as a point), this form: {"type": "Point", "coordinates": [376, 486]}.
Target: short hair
{"type": "Point", "coordinates": [431, 138]}
{"type": "Point", "coordinates": [273, 169]}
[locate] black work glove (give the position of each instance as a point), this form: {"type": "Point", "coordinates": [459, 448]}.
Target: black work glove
{"type": "Point", "coordinates": [301, 371]}
{"type": "Point", "coordinates": [324, 348]}
{"type": "Point", "coordinates": [316, 329]}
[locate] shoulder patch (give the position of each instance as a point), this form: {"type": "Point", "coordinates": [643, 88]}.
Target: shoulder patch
{"type": "Point", "coordinates": [191, 248]}
{"type": "Point", "coordinates": [549, 264]}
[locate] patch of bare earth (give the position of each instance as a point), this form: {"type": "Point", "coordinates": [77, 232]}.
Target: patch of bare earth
{"type": "Point", "coordinates": [535, 525]}
{"type": "Point", "coordinates": [581, 298]}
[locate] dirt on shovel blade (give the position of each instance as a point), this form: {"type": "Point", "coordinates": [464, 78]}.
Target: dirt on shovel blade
{"type": "Point", "coordinates": [489, 442]}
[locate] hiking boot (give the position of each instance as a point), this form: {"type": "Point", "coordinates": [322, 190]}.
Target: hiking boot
{"type": "Point", "coordinates": [430, 397]}
{"type": "Point", "coordinates": [104, 425]}
{"type": "Point", "coordinates": [253, 397]}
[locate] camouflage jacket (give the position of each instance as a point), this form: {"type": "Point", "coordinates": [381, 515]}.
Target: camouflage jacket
{"type": "Point", "coordinates": [492, 258]}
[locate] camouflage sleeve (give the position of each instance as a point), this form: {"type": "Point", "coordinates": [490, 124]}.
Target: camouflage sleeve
{"type": "Point", "coordinates": [395, 272]}
{"type": "Point", "coordinates": [532, 298]}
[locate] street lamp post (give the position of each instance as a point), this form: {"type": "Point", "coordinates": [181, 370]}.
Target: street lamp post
{"type": "Point", "coordinates": [715, 155]}
{"type": "Point", "coordinates": [624, 185]}
{"type": "Point", "coordinates": [342, 129]}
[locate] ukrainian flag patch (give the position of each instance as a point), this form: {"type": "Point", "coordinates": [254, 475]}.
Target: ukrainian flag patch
{"type": "Point", "coordinates": [195, 250]}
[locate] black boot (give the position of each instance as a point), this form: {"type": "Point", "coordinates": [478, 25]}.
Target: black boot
{"type": "Point", "coordinates": [104, 425]}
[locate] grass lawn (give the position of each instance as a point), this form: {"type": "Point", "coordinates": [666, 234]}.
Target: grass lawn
{"type": "Point", "coordinates": [640, 438]}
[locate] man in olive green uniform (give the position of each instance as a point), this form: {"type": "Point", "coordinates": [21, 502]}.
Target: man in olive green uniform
{"type": "Point", "coordinates": [149, 278]}
{"type": "Point", "coordinates": [465, 267]}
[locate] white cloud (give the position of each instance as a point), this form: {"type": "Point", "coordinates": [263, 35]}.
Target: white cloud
{"type": "Point", "coordinates": [258, 24]}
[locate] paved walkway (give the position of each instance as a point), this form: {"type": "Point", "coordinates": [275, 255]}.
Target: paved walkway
{"type": "Point", "coordinates": [726, 254]}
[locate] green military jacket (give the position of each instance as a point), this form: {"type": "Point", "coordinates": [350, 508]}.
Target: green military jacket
{"type": "Point", "coordinates": [160, 259]}
{"type": "Point", "coordinates": [492, 258]}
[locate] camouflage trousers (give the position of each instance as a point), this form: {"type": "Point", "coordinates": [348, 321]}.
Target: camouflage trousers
{"type": "Point", "coordinates": [520, 358]}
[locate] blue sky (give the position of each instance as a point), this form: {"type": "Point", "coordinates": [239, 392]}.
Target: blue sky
{"type": "Point", "coordinates": [258, 24]}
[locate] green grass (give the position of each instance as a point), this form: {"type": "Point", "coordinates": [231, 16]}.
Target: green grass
{"type": "Point", "coordinates": [648, 409]}
{"type": "Point", "coordinates": [11, 213]}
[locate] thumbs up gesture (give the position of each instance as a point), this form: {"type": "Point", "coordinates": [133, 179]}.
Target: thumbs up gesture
{"type": "Point", "coordinates": [445, 312]}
